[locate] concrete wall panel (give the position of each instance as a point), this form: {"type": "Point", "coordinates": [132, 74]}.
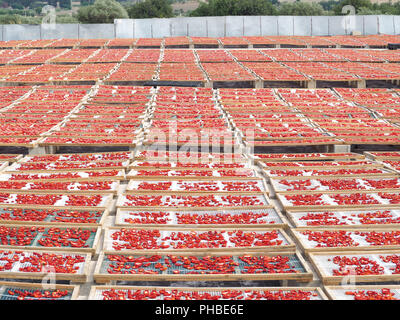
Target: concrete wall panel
{"type": "Point", "coordinates": [302, 26]}
{"type": "Point", "coordinates": [370, 25]}
{"type": "Point", "coordinates": [124, 28]}
{"type": "Point", "coordinates": [269, 26]}
{"type": "Point", "coordinates": [319, 26]}
{"type": "Point", "coordinates": [197, 27]}
{"type": "Point", "coordinates": [58, 31]}
{"type": "Point", "coordinates": [385, 25]}
{"type": "Point", "coordinates": [285, 25]}
{"type": "Point", "coordinates": [179, 27]}
{"type": "Point", "coordinates": [96, 31]}
{"type": "Point", "coordinates": [354, 24]}
{"type": "Point", "coordinates": [143, 28]}
{"type": "Point", "coordinates": [161, 28]}
{"type": "Point", "coordinates": [252, 26]}
{"type": "Point", "coordinates": [215, 26]}
{"type": "Point", "coordinates": [234, 26]}
{"type": "Point", "coordinates": [21, 32]}
{"type": "Point", "coordinates": [396, 22]}
{"type": "Point", "coordinates": [337, 25]}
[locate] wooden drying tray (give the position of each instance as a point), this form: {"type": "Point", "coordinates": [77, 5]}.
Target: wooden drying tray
{"type": "Point", "coordinates": [332, 295]}
{"type": "Point", "coordinates": [291, 215]}
{"type": "Point", "coordinates": [12, 157]}
{"type": "Point", "coordinates": [330, 207]}
{"type": "Point", "coordinates": [97, 144]}
{"type": "Point", "coordinates": [120, 204]}
{"type": "Point", "coordinates": [309, 248]}
{"type": "Point", "coordinates": [13, 168]}
{"type": "Point", "coordinates": [386, 173]}
{"type": "Point", "coordinates": [348, 156]}
{"type": "Point", "coordinates": [100, 277]}
{"type": "Point", "coordinates": [57, 191]}
{"type": "Point", "coordinates": [130, 189]}
{"type": "Point", "coordinates": [281, 224]}
{"type": "Point", "coordinates": [121, 176]}
{"type": "Point", "coordinates": [374, 157]}
{"type": "Point", "coordinates": [274, 183]}
{"type": "Point", "coordinates": [371, 142]}
{"type": "Point", "coordinates": [328, 279]}
{"type": "Point", "coordinates": [94, 293]}
{"type": "Point", "coordinates": [28, 158]}
{"type": "Point", "coordinates": [131, 175]}
{"type": "Point", "coordinates": [289, 247]}
{"type": "Point", "coordinates": [91, 249]}
{"type": "Point", "coordinates": [222, 158]}
{"type": "Point", "coordinates": [289, 143]}
{"type": "Point", "coordinates": [179, 168]}
{"type": "Point", "coordinates": [72, 289]}
{"type": "Point", "coordinates": [106, 204]}
{"type": "Point", "coordinates": [327, 167]}
{"type": "Point", "coordinates": [105, 214]}
{"type": "Point", "coordinates": [77, 277]}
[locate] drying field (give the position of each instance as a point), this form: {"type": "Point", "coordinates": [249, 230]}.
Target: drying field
{"type": "Point", "coordinates": [196, 168]}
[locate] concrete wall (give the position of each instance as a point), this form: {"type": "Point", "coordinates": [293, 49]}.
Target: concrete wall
{"type": "Point", "coordinates": [229, 26]}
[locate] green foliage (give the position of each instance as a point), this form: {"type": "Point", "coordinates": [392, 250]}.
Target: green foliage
{"type": "Point", "coordinates": [66, 4]}
{"type": "Point", "coordinates": [301, 9]}
{"type": "Point", "coordinates": [368, 11]}
{"type": "Point", "coordinates": [234, 8]}
{"type": "Point", "coordinates": [151, 9]}
{"type": "Point", "coordinates": [66, 19]}
{"type": "Point", "coordinates": [102, 11]}
{"type": "Point", "coordinates": [10, 19]}
{"type": "Point", "coordinates": [18, 19]}
{"type": "Point", "coordinates": [329, 4]}
{"type": "Point", "coordinates": [357, 4]}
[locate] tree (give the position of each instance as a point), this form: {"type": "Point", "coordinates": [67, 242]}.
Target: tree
{"type": "Point", "coordinates": [65, 4]}
{"type": "Point", "coordinates": [151, 9]}
{"type": "Point", "coordinates": [328, 4]}
{"type": "Point", "coordinates": [102, 11]}
{"type": "Point", "coordinates": [10, 19]}
{"type": "Point", "coordinates": [301, 9]}
{"type": "Point", "coordinates": [234, 8]}
{"type": "Point", "coordinates": [368, 11]}
{"type": "Point", "coordinates": [66, 19]}
{"type": "Point", "coordinates": [357, 4]}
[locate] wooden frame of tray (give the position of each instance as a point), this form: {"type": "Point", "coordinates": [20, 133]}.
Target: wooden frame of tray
{"type": "Point", "coordinates": [329, 290]}
{"type": "Point", "coordinates": [119, 203]}
{"type": "Point", "coordinates": [335, 280]}
{"type": "Point", "coordinates": [307, 248]}
{"type": "Point", "coordinates": [289, 247]}
{"type": "Point", "coordinates": [130, 190]}
{"type": "Point", "coordinates": [317, 290]}
{"type": "Point", "coordinates": [81, 278]}
{"type": "Point", "coordinates": [290, 214]}
{"type": "Point", "coordinates": [109, 198]}
{"type": "Point", "coordinates": [300, 277]}
{"type": "Point", "coordinates": [282, 225]}
{"type": "Point", "coordinates": [74, 289]}
{"type": "Point", "coordinates": [105, 214]}
{"type": "Point", "coordinates": [90, 250]}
